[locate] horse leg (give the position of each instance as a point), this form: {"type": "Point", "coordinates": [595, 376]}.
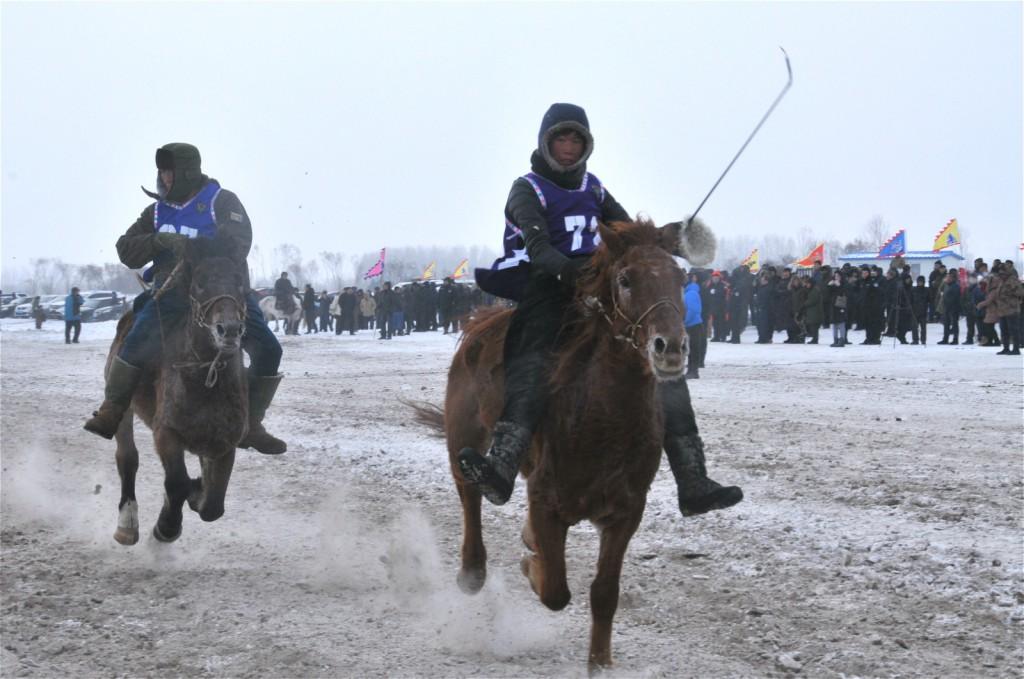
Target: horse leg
{"type": "Point", "coordinates": [473, 572]}
{"type": "Point", "coordinates": [604, 590]}
{"type": "Point", "coordinates": [177, 484]}
{"type": "Point", "coordinates": [546, 568]}
{"type": "Point", "coordinates": [127, 532]}
{"type": "Point", "coordinates": [214, 485]}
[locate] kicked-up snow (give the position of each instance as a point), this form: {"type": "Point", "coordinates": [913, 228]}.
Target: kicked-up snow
{"type": "Point", "coordinates": [880, 535]}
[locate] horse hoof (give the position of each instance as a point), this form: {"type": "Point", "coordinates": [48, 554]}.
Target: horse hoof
{"type": "Point", "coordinates": [163, 538]}
{"type": "Point", "coordinates": [195, 495]}
{"type": "Point", "coordinates": [127, 537]}
{"type": "Point", "coordinates": [471, 581]}
{"type": "Point", "coordinates": [211, 514]}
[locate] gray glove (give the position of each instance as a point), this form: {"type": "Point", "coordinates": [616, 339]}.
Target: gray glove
{"type": "Point", "coordinates": [175, 242]}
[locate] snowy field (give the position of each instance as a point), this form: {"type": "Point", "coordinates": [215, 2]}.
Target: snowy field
{"type": "Point", "coordinates": [880, 535]}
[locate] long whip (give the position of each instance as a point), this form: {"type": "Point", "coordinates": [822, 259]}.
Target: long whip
{"type": "Point", "coordinates": [789, 83]}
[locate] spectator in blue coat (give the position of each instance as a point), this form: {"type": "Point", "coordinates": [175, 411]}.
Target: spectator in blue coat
{"type": "Point", "coordinates": [694, 327]}
{"type": "Point", "coordinates": [72, 316]}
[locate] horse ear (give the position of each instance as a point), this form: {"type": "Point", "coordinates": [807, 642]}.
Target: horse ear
{"type": "Point", "coordinates": [690, 239]}
{"type": "Point", "coordinates": [611, 238]}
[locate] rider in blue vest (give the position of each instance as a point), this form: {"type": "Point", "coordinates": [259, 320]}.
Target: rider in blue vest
{"type": "Point", "coordinates": [551, 229]}
{"type": "Point", "coordinates": [188, 205]}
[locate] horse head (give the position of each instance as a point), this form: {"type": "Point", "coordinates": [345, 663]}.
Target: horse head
{"type": "Point", "coordinates": [216, 292]}
{"type": "Point", "coordinates": [634, 282]}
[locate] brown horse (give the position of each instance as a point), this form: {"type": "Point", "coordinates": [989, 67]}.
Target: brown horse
{"type": "Point", "coordinates": [194, 398]}
{"type": "Point", "coordinates": [595, 454]}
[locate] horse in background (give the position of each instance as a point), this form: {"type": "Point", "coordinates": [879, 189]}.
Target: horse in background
{"type": "Point", "coordinates": [195, 399]}
{"type": "Point", "coordinates": [292, 320]}
{"type": "Point", "coordinates": [595, 457]}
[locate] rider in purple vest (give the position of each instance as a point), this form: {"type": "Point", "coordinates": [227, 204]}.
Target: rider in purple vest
{"type": "Point", "coordinates": [551, 222]}
{"type": "Point", "coordinates": [188, 205]}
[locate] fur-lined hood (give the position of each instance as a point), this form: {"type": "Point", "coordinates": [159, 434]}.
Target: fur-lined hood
{"type": "Point", "coordinates": [560, 118]}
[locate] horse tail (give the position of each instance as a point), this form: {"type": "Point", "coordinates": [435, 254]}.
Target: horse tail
{"type": "Point", "coordinates": [429, 415]}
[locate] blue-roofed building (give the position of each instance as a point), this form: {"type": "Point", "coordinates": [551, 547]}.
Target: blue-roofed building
{"type": "Point", "coordinates": [921, 261]}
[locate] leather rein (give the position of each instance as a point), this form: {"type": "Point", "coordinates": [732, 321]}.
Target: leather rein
{"type": "Point", "coordinates": [630, 336]}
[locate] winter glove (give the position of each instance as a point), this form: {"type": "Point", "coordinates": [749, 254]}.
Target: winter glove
{"type": "Point", "coordinates": [571, 271]}
{"type": "Point", "coordinates": [175, 242]}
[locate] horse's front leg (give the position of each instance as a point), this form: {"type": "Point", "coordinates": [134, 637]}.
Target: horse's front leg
{"type": "Point", "coordinates": [177, 484]}
{"type": "Point", "coordinates": [127, 456]}
{"type": "Point", "coordinates": [604, 590]}
{"type": "Point", "coordinates": [546, 568]}
{"type": "Point", "coordinates": [214, 485]}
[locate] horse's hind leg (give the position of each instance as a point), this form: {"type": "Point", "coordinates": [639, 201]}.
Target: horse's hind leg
{"type": "Point", "coordinates": [213, 486]}
{"type": "Point", "coordinates": [546, 569]}
{"type": "Point", "coordinates": [473, 572]}
{"type": "Point", "coordinates": [177, 484]}
{"type": "Point", "coordinates": [127, 532]}
{"type": "Point", "coordinates": [604, 590]}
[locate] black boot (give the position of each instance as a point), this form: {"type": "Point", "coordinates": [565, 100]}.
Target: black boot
{"type": "Point", "coordinates": [261, 393]}
{"type": "Point", "coordinates": [122, 380]}
{"type": "Point", "coordinates": [495, 474]}
{"type": "Point", "coordinates": [697, 493]}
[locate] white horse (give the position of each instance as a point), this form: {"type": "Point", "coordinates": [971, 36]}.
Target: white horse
{"type": "Point", "coordinates": [291, 321]}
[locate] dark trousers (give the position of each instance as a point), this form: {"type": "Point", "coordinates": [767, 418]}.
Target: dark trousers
{"type": "Point", "coordinates": [812, 332]}
{"type": "Point", "coordinates": [68, 325]}
{"type": "Point", "coordinates": [531, 337]}
{"type": "Point", "coordinates": [325, 323]}
{"type": "Point", "coordinates": [142, 344]}
{"type": "Point", "coordinates": [972, 323]}
{"type": "Point", "coordinates": [1009, 328]}
{"type": "Point", "coordinates": [698, 344]}
{"type": "Point", "coordinates": [951, 326]}
{"type": "Point", "coordinates": [677, 408]}
{"type": "Point", "coordinates": [383, 324]}
{"type": "Point", "coordinates": [919, 330]}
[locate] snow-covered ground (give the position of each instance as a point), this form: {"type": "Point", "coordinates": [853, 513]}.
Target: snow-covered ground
{"type": "Point", "coordinates": [880, 534]}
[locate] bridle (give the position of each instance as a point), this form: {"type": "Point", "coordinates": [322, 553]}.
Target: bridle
{"type": "Point", "coordinates": [630, 336]}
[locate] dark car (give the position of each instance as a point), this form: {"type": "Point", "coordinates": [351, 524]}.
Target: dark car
{"type": "Point", "coordinates": [11, 303]}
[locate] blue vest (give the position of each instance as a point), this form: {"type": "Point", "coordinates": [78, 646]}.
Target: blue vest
{"type": "Point", "coordinates": [195, 219]}
{"type": "Point", "coordinates": [572, 217]}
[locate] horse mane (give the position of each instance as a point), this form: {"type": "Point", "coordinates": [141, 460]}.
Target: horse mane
{"type": "Point", "coordinates": [585, 324]}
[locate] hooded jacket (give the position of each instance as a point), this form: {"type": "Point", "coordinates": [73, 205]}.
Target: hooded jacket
{"type": "Point", "coordinates": [691, 298]}
{"type": "Point", "coordinates": [524, 210]}
{"type": "Point", "coordinates": [138, 246]}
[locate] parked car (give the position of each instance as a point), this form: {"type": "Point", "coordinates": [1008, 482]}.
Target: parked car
{"type": "Point", "coordinates": [104, 313]}
{"type": "Point", "coordinates": [24, 310]}
{"type": "Point", "coordinates": [11, 303]}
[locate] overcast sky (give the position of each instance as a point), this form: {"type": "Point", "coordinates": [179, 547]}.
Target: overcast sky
{"type": "Point", "coordinates": [351, 127]}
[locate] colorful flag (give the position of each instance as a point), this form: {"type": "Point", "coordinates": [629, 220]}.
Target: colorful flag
{"type": "Point", "coordinates": [428, 273]}
{"type": "Point", "coordinates": [378, 268]}
{"type": "Point", "coordinates": [461, 270]}
{"type": "Point", "coordinates": [752, 262]}
{"type": "Point", "coordinates": [897, 245]}
{"type": "Point", "coordinates": [948, 237]}
{"type": "Point", "coordinates": [815, 255]}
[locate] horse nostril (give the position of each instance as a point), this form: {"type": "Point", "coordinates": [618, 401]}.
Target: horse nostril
{"type": "Point", "coordinates": [220, 330]}
{"type": "Point", "coordinates": [659, 345]}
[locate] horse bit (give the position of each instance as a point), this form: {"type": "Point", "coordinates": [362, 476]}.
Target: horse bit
{"type": "Point", "coordinates": [199, 312]}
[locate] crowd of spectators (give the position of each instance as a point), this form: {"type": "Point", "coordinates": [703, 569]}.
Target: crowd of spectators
{"type": "Point", "coordinates": [882, 303]}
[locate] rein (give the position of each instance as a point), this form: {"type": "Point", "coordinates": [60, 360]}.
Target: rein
{"type": "Point", "coordinates": [199, 313]}
{"type": "Point", "coordinates": [630, 336]}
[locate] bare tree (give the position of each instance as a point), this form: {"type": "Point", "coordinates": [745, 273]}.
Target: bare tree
{"type": "Point", "coordinates": [876, 232]}
{"type": "Point", "coordinates": [333, 267]}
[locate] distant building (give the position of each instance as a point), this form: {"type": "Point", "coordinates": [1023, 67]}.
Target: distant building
{"type": "Point", "coordinates": [920, 261]}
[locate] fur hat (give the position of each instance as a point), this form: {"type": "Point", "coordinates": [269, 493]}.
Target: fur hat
{"type": "Point", "coordinates": [562, 118]}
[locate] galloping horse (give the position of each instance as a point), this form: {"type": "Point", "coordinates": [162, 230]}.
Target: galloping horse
{"type": "Point", "coordinates": [195, 399]}
{"type": "Point", "coordinates": [268, 305]}
{"type": "Point", "coordinates": [595, 454]}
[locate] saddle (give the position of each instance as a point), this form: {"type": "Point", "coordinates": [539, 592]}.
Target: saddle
{"type": "Point", "coordinates": [285, 303]}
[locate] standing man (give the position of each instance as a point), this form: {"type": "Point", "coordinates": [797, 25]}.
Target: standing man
{"type": "Point", "coordinates": [188, 204]}
{"type": "Point", "coordinates": [72, 316]}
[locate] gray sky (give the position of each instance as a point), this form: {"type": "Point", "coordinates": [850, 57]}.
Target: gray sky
{"type": "Point", "coordinates": [350, 127]}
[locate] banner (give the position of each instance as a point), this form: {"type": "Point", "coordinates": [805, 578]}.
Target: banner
{"type": "Point", "coordinates": [461, 270]}
{"type": "Point", "coordinates": [948, 237]}
{"type": "Point", "coordinates": [378, 268]}
{"type": "Point", "coordinates": [815, 255]}
{"type": "Point", "coordinates": [752, 262]}
{"type": "Point", "coordinates": [897, 245]}
{"type": "Point", "coordinates": [428, 273]}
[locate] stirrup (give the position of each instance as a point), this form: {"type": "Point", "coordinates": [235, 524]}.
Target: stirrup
{"type": "Point", "coordinates": [478, 471]}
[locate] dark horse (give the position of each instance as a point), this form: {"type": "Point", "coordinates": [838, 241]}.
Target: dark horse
{"type": "Point", "coordinates": [595, 454]}
{"type": "Point", "coordinates": [194, 398]}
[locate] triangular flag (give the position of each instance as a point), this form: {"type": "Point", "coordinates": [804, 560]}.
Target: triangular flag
{"type": "Point", "coordinates": [752, 262]}
{"type": "Point", "coordinates": [948, 237]}
{"type": "Point", "coordinates": [461, 270]}
{"type": "Point", "coordinates": [815, 255]}
{"type": "Point", "coordinates": [897, 245]}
